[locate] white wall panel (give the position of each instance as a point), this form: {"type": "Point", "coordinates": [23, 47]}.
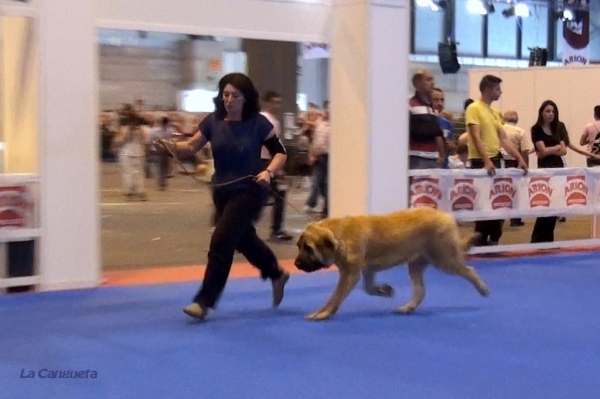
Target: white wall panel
{"type": "Point", "coordinates": [70, 216]}
{"type": "Point", "coordinates": [20, 9]}
{"type": "Point", "coordinates": [517, 87]}
{"type": "Point", "coordinates": [252, 19]}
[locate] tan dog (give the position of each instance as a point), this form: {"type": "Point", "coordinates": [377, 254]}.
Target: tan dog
{"type": "Point", "coordinates": [365, 245]}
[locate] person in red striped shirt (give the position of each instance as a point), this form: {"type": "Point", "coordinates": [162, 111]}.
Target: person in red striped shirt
{"type": "Point", "coordinates": [426, 139]}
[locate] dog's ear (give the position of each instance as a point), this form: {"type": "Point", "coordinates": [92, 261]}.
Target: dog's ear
{"type": "Point", "coordinates": [329, 242]}
{"type": "Point", "coordinates": [300, 240]}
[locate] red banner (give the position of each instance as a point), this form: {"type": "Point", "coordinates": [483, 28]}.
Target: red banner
{"type": "Point", "coordinates": [576, 34]}
{"type": "Point", "coordinates": [16, 207]}
{"type": "Point", "coordinates": [473, 195]}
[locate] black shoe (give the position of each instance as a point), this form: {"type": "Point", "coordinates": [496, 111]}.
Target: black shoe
{"type": "Point", "coordinates": [279, 287]}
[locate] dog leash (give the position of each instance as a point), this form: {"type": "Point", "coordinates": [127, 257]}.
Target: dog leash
{"type": "Point", "coordinates": [244, 178]}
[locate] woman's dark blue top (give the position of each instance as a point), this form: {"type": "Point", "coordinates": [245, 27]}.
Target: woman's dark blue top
{"type": "Point", "coordinates": [235, 145]}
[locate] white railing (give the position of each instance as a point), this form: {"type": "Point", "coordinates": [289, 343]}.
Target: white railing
{"type": "Point", "coordinates": [471, 195]}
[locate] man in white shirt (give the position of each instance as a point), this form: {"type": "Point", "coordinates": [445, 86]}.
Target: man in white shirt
{"type": "Point", "coordinates": [521, 142]}
{"type": "Point", "coordinates": [319, 155]}
{"type": "Point", "coordinates": [271, 110]}
{"type": "Point", "coordinates": [518, 137]}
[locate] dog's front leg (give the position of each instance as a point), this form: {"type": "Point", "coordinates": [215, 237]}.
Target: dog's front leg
{"type": "Point", "coordinates": [371, 288]}
{"type": "Point", "coordinates": [346, 283]}
{"type": "Point", "coordinates": [415, 273]}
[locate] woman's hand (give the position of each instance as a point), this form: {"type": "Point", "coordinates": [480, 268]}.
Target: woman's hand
{"type": "Point", "coordinates": [523, 166]}
{"type": "Point", "coordinates": [264, 178]}
{"type": "Point", "coordinates": [168, 144]}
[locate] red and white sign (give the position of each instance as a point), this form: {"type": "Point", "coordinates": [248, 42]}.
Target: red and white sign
{"type": "Point", "coordinates": [576, 191]}
{"type": "Point", "coordinates": [463, 195]}
{"type": "Point", "coordinates": [576, 36]}
{"type": "Point", "coordinates": [473, 195]}
{"type": "Point", "coordinates": [16, 207]}
{"type": "Point", "coordinates": [540, 192]}
{"type": "Point", "coordinates": [502, 193]}
{"type": "Point", "coordinates": [214, 65]}
{"type": "Point", "coordinates": [425, 192]}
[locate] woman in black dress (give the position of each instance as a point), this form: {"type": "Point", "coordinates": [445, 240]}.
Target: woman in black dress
{"type": "Point", "coordinates": [550, 148]}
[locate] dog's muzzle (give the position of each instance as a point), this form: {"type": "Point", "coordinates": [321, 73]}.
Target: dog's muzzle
{"type": "Point", "coordinates": [308, 266]}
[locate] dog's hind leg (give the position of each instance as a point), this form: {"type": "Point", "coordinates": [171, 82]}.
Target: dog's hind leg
{"type": "Point", "coordinates": [416, 268]}
{"type": "Point", "coordinates": [346, 284]}
{"type": "Point", "coordinates": [469, 273]}
{"type": "Point", "coordinates": [452, 262]}
{"type": "Point", "coordinates": [371, 288]}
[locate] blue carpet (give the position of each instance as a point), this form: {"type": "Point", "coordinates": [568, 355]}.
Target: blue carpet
{"type": "Point", "coordinates": [537, 336]}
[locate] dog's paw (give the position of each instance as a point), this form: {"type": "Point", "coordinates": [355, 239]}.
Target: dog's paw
{"type": "Point", "coordinates": [319, 315]}
{"type": "Point", "coordinates": [385, 290]}
{"type": "Point", "coordinates": [405, 309]}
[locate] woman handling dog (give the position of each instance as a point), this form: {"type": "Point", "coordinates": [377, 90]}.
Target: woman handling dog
{"type": "Point", "coordinates": [236, 132]}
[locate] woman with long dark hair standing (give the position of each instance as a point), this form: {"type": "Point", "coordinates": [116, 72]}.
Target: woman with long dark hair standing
{"type": "Point", "coordinates": [237, 132]}
{"type": "Point", "coordinates": [550, 149]}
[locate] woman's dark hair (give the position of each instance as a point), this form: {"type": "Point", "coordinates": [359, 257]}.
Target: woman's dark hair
{"type": "Point", "coordinates": [242, 83]}
{"type": "Point", "coordinates": [555, 121]}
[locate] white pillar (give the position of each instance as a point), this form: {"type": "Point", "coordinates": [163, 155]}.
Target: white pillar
{"type": "Point", "coordinates": [369, 107]}
{"type": "Point", "coordinates": [70, 242]}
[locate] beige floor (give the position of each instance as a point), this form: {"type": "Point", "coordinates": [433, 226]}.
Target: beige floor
{"type": "Point", "coordinates": [173, 227]}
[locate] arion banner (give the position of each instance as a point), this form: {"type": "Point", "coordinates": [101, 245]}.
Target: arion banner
{"type": "Point", "coordinates": [473, 195]}
{"type": "Point", "coordinates": [16, 207]}
{"type": "Point", "coordinates": [576, 35]}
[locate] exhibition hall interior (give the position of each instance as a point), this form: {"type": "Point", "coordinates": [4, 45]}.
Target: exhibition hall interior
{"type": "Point", "coordinates": [160, 218]}
{"type": "Point", "coordinates": [110, 222]}
{"type": "Point", "coordinates": [176, 76]}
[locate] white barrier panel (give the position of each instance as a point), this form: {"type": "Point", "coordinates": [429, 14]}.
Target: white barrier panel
{"type": "Point", "coordinates": [470, 194]}
{"type": "Point", "coordinates": [19, 221]}
{"type": "Point", "coordinates": [18, 202]}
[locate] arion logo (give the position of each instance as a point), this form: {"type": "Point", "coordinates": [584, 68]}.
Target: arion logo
{"type": "Point", "coordinates": [463, 195]}
{"type": "Point", "coordinates": [502, 193]}
{"type": "Point", "coordinates": [540, 192]}
{"type": "Point", "coordinates": [425, 192]}
{"type": "Point", "coordinates": [576, 190]}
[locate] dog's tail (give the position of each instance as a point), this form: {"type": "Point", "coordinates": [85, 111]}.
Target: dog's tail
{"type": "Point", "coordinates": [468, 242]}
